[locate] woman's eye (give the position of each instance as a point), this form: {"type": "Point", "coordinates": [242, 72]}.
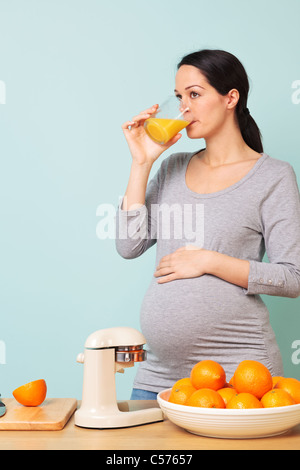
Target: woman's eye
{"type": "Point", "coordinates": [193, 95]}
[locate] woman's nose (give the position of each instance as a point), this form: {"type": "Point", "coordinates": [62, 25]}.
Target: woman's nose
{"type": "Point", "coordinates": [185, 112]}
{"type": "Point", "coordinates": [184, 108]}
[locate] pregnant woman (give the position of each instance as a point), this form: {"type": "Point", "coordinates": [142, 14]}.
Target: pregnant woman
{"type": "Point", "coordinates": [213, 214]}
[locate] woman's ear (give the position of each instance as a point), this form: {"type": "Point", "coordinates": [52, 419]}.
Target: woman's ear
{"type": "Point", "coordinates": [233, 97]}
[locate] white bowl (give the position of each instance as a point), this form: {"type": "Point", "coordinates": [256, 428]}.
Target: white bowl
{"type": "Point", "coordinates": [230, 424]}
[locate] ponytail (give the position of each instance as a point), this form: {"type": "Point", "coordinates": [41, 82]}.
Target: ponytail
{"type": "Point", "coordinates": [249, 130]}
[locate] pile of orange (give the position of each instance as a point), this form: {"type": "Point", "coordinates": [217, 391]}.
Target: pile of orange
{"type": "Point", "coordinates": [252, 386]}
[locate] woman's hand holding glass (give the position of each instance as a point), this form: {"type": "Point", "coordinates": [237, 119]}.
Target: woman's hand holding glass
{"type": "Point", "coordinates": [143, 149]}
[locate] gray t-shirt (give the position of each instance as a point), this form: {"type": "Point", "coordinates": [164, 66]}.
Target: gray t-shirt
{"type": "Point", "coordinates": [187, 320]}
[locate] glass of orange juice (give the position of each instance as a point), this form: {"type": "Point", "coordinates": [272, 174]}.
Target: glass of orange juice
{"type": "Point", "coordinates": [167, 121]}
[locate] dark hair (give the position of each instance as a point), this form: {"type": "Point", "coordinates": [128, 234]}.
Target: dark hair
{"type": "Point", "coordinates": [224, 71]}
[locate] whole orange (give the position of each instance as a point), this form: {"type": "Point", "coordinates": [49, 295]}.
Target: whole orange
{"type": "Point", "coordinates": [184, 381]}
{"type": "Point", "coordinates": [31, 394]}
{"type": "Point", "coordinates": [227, 393]}
{"type": "Point", "coordinates": [244, 401]}
{"type": "Point", "coordinates": [181, 393]}
{"type": "Point", "coordinates": [277, 397]}
{"type": "Point", "coordinates": [290, 385]}
{"type": "Point", "coordinates": [206, 398]}
{"type": "Point", "coordinates": [208, 374]}
{"type": "Point", "coordinates": [252, 377]}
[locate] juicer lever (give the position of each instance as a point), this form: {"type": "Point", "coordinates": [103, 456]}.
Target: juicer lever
{"type": "Point", "coordinates": [80, 358]}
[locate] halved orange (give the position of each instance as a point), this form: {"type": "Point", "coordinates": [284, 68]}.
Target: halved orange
{"type": "Point", "coordinates": [32, 393]}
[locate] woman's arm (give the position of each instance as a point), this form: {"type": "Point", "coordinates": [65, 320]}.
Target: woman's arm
{"type": "Point", "coordinates": [136, 189]}
{"type": "Point", "coordinates": [135, 232]}
{"type": "Point", "coordinates": [280, 216]}
{"type": "Point", "coordinates": [144, 153]}
{"type": "Point", "coordinates": [229, 269]}
{"type": "Point", "coordinates": [190, 261]}
{"type": "Point", "coordinates": [135, 227]}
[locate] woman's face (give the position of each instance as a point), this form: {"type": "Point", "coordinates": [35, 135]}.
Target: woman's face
{"type": "Point", "coordinates": [208, 110]}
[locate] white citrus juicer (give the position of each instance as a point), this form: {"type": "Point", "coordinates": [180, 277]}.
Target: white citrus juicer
{"type": "Point", "coordinates": [108, 351]}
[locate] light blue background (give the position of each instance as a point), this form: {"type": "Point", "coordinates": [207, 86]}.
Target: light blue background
{"type": "Point", "coordinates": [74, 71]}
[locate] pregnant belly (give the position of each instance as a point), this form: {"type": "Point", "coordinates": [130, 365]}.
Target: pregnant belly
{"type": "Point", "coordinates": [205, 317]}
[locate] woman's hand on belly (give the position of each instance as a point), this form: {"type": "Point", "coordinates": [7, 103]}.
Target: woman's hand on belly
{"type": "Point", "coordinates": [186, 262]}
{"type": "Point", "coordinates": [190, 261]}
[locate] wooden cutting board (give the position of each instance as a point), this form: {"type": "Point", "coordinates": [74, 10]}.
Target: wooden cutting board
{"type": "Point", "coordinates": [51, 415]}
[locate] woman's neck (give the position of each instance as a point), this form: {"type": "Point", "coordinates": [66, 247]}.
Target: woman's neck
{"type": "Point", "coordinates": [226, 147]}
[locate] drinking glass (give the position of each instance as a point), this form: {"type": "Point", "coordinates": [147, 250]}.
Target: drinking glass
{"type": "Point", "coordinates": [167, 121]}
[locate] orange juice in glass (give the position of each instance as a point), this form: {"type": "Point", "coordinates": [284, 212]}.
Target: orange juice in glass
{"type": "Point", "coordinates": [167, 121]}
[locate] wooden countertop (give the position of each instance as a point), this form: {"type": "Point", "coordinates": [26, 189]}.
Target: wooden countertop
{"type": "Point", "coordinates": [156, 436]}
